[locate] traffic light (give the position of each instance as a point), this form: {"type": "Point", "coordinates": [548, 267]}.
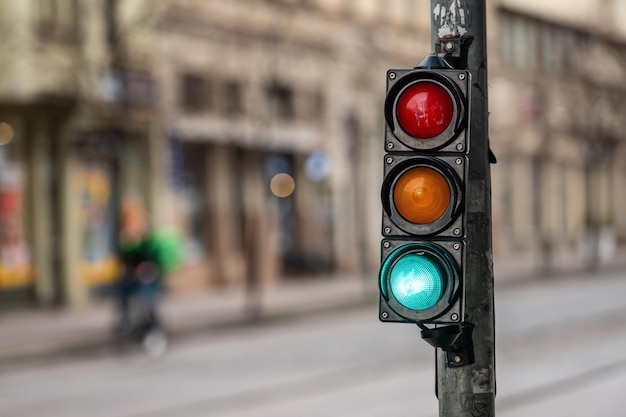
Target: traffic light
{"type": "Point", "coordinates": [423, 196]}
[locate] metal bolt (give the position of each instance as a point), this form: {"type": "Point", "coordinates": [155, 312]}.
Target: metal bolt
{"type": "Point", "coordinates": [454, 317]}
{"type": "Point", "coordinates": [459, 161]}
{"type": "Point", "coordinates": [459, 146]}
{"type": "Point", "coordinates": [386, 245]}
{"type": "Point", "coordinates": [457, 232]}
{"type": "Point", "coordinates": [392, 75]}
{"type": "Point", "coordinates": [457, 359]}
{"type": "Point", "coordinates": [449, 46]}
{"type": "Point", "coordinates": [456, 246]}
{"type": "Point", "coordinates": [461, 76]}
{"type": "Point", "coordinates": [384, 315]}
{"type": "Point", "coordinates": [389, 160]}
{"type": "Point", "coordinates": [387, 229]}
{"type": "Point", "coordinates": [389, 145]}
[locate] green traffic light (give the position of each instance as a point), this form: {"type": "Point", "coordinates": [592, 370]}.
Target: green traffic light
{"type": "Point", "coordinates": [415, 277]}
{"type": "Point", "coordinates": [416, 282]}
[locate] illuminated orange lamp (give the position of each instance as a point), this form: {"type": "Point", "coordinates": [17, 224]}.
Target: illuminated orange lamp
{"type": "Point", "coordinates": [422, 195]}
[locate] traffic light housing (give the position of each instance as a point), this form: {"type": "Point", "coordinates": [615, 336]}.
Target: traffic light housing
{"type": "Point", "coordinates": [423, 196]}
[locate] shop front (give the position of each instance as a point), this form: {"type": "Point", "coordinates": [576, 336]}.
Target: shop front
{"type": "Point", "coordinates": [249, 215]}
{"type": "Point", "coordinates": [97, 195]}
{"type": "Point", "coordinates": [17, 272]}
{"type": "Point", "coordinates": [110, 167]}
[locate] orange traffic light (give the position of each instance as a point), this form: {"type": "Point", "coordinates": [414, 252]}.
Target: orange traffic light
{"type": "Point", "coordinates": [421, 195]}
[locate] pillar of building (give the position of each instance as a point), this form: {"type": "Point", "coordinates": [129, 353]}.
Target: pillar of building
{"type": "Point", "coordinates": [259, 224]}
{"type": "Point", "coordinates": [39, 172]}
{"type": "Point", "coordinates": [74, 290]}
{"type": "Point", "coordinates": [224, 230]}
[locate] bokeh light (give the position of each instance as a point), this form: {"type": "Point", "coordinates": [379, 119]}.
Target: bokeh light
{"type": "Point", "coordinates": [282, 185]}
{"type": "Point", "coordinates": [6, 133]}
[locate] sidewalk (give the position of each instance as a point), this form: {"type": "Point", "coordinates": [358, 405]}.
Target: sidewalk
{"type": "Point", "coordinates": [49, 333]}
{"type": "Point", "coordinates": [46, 334]}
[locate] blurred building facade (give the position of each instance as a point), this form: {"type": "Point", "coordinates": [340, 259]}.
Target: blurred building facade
{"type": "Point", "coordinates": [77, 100]}
{"type": "Point", "coordinates": [557, 126]}
{"type": "Point", "coordinates": [255, 128]}
{"type": "Point", "coordinates": [256, 91]}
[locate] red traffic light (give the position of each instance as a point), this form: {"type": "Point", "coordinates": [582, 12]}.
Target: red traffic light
{"type": "Point", "coordinates": [424, 110]}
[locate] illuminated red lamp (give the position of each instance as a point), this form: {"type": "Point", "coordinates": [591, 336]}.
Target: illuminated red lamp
{"type": "Point", "coordinates": [425, 110]}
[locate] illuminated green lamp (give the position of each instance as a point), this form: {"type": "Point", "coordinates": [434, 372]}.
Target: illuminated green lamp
{"type": "Point", "coordinates": [415, 276]}
{"type": "Point", "coordinates": [416, 281]}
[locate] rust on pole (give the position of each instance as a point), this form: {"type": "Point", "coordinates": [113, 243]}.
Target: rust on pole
{"type": "Point", "coordinates": [470, 390]}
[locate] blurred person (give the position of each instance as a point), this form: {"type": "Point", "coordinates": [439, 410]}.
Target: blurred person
{"type": "Point", "coordinates": [146, 257]}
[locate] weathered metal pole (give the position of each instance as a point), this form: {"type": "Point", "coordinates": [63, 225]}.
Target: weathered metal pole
{"type": "Point", "coordinates": [470, 390]}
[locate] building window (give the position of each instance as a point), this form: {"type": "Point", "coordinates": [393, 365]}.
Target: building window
{"type": "Point", "coordinates": [232, 100]}
{"type": "Point", "coordinates": [58, 20]}
{"type": "Point", "coordinates": [522, 42]}
{"type": "Point", "coordinates": [526, 42]}
{"type": "Point", "coordinates": [311, 105]}
{"type": "Point", "coordinates": [190, 182]}
{"type": "Point", "coordinates": [317, 105]}
{"type": "Point", "coordinates": [280, 98]}
{"type": "Point", "coordinates": [195, 93]}
{"type": "Point", "coordinates": [531, 43]}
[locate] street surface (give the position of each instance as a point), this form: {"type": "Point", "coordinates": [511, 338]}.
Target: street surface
{"type": "Point", "coordinates": [561, 351]}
